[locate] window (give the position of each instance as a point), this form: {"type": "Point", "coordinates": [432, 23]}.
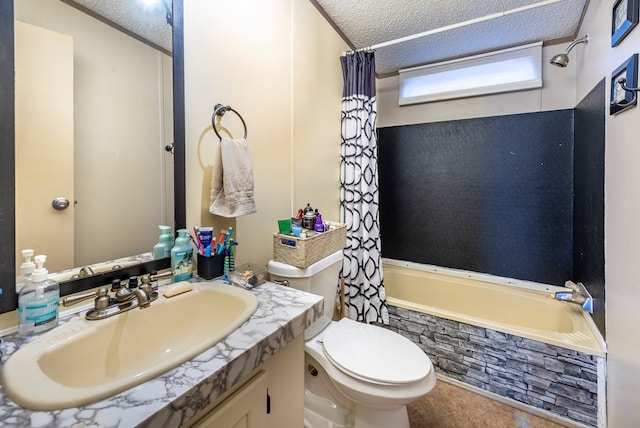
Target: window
{"type": "Point", "coordinates": [513, 69]}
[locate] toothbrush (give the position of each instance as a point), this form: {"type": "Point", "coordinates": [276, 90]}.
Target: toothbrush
{"type": "Point", "coordinates": [195, 243]}
{"type": "Point", "coordinates": [232, 262]}
{"type": "Point", "coordinates": [228, 237]}
{"type": "Point", "coordinates": [225, 274]}
{"type": "Point", "coordinates": [196, 240]}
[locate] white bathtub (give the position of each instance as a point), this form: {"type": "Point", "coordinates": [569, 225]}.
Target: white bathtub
{"type": "Point", "coordinates": [518, 309]}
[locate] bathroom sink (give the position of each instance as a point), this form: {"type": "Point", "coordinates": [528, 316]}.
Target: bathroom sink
{"type": "Point", "coordinates": [86, 361]}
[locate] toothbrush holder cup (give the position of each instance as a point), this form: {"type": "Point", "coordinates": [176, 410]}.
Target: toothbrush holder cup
{"type": "Point", "coordinates": [210, 267]}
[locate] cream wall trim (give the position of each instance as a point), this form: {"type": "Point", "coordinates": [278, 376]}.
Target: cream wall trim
{"type": "Point", "coordinates": [277, 64]}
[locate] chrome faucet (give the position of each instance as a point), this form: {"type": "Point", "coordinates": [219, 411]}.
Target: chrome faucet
{"type": "Point", "coordinates": [124, 300]}
{"type": "Point", "coordinates": [578, 295]}
{"type": "Point", "coordinates": [84, 272]}
{"type": "Point", "coordinates": [144, 298]}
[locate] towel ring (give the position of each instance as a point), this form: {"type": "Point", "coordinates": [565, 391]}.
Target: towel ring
{"type": "Point", "coordinates": [220, 110]}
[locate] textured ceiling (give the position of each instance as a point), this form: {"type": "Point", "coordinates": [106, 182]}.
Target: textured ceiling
{"type": "Point", "coordinates": [367, 23]}
{"type": "Point", "coordinates": [144, 18]}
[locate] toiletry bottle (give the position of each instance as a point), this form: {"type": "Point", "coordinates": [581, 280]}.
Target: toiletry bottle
{"type": "Point", "coordinates": [308, 218]}
{"type": "Point", "coordinates": [26, 269]}
{"type": "Point", "coordinates": [319, 226]}
{"type": "Point", "coordinates": [307, 208]}
{"type": "Point", "coordinates": [38, 302]}
{"type": "Point", "coordinates": [182, 257]}
{"type": "Point", "coordinates": [165, 243]}
{"type": "Point", "coordinates": [154, 280]}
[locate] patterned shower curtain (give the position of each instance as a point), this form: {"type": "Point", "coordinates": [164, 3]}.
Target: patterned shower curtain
{"type": "Point", "coordinates": [362, 265]}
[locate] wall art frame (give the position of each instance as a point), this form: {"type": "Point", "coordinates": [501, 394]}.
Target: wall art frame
{"type": "Point", "coordinates": [621, 99]}
{"type": "Point", "coordinates": [624, 17]}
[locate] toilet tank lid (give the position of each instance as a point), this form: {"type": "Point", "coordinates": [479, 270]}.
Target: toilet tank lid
{"type": "Point", "coordinates": [288, 271]}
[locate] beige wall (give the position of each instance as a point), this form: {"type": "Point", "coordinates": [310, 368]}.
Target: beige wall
{"type": "Point", "coordinates": [622, 204]}
{"type": "Point", "coordinates": [276, 63]}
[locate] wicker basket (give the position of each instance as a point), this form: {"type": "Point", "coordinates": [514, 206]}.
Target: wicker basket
{"type": "Point", "coordinates": [303, 252]}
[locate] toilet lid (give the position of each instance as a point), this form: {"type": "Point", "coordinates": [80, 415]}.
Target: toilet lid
{"type": "Point", "coordinates": [374, 353]}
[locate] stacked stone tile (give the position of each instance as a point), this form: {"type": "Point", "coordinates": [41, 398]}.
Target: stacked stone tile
{"type": "Point", "coordinates": [559, 380]}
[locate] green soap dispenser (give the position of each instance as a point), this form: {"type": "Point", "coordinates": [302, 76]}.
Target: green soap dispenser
{"type": "Point", "coordinates": [182, 257]}
{"type": "Point", "coordinates": [165, 243]}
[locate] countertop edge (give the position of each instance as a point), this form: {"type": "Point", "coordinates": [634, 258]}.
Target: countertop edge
{"type": "Point", "coordinates": [196, 399]}
{"type": "Point", "coordinates": [174, 397]}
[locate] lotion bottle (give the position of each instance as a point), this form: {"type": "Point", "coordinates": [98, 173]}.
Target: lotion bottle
{"type": "Point", "coordinates": [182, 257]}
{"type": "Point", "coordinates": [38, 302]}
{"type": "Point", "coordinates": [165, 243]}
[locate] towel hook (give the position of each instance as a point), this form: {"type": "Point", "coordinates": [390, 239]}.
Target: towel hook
{"type": "Point", "coordinates": [220, 110]}
{"type": "Point", "coordinates": [634, 92]}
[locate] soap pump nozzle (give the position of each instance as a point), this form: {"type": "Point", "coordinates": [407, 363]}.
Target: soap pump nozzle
{"type": "Point", "coordinates": [28, 266]}
{"type": "Point", "coordinates": [40, 273]}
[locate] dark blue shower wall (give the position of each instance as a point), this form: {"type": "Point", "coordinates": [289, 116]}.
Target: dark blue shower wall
{"type": "Point", "coordinates": [588, 212]}
{"type": "Point", "coordinates": [492, 195]}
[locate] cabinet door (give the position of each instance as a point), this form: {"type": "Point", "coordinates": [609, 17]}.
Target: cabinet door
{"type": "Point", "coordinates": [246, 408]}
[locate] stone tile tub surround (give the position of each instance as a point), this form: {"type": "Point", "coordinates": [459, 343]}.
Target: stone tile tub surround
{"type": "Point", "coordinates": [176, 396]}
{"type": "Point", "coordinates": [562, 381]}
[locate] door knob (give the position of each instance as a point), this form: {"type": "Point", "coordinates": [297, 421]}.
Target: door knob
{"type": "Point", "coordinates": [60, 203]}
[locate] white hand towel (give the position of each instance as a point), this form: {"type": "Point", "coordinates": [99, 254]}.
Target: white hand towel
{"type": "Point", "coordinates": [232, 180]}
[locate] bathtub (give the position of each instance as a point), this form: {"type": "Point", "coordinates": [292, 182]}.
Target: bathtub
{"type": "Point", "coordinates": [514, 307]}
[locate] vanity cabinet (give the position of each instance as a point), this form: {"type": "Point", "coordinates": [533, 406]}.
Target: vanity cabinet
{"type": "Point", "coordinates": [243, 409]}
{"type": "Point", "coordinates": [272, 396]}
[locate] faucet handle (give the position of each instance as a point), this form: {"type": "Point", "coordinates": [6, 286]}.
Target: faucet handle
{"type": "Point", "coordinates": [145, 285]}
{"type": "Point", "coordinates": [572, 286]}
{"type": "Point", "coordinates": [579, 295]}
{"type": "Point", "coordinates": [72, 300]}
{"type": "Point", "coordinates": [103, 300]}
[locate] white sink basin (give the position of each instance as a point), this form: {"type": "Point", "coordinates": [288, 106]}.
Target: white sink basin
{"type": "Point", "coordinates": [86, 361]}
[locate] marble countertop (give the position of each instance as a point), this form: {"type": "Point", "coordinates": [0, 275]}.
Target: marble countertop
{"type": "Point", "coordinates": [176, 396]}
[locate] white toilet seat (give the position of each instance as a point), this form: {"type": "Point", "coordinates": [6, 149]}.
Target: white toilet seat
{"type": "Point", "coordinates": [367, 392]}
{"type": "Point", "coordinates": [374, 354]}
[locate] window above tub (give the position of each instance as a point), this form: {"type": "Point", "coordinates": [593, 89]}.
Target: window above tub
{"type": "Point", "coordinates": [507, 70]}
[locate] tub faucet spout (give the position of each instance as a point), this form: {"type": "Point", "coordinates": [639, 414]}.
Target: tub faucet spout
{"type": "Point", "coordinates": [578, 295]}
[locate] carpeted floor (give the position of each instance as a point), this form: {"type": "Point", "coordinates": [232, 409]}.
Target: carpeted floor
{"type": "Point", "coordinates": [450, 406]}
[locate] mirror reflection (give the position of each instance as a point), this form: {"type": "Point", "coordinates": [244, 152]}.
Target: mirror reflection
{"type": "Point", "coordinates": [93, 116]}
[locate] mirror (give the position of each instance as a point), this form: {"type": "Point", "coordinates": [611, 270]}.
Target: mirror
{"type": "Point", "coordinates": [115, 206]}
{"type": "Point", "coordinates": [91, 131]}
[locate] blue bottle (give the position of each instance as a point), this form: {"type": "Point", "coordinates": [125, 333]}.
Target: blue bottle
{"type": "Point", "coordinates": [38, 302]}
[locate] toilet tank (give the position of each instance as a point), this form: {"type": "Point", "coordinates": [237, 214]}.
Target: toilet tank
{"type": "Point", "coordinates": [320, 278]}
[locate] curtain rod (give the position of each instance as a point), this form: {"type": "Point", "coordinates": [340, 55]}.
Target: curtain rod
{"type": "Point", "coordinates": [457, 25]}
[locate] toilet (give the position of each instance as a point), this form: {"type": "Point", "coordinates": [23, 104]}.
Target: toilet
{"type": "Point", "coordinates": [357, 375]}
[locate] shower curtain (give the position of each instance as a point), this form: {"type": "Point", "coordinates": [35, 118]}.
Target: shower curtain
{"type": "Point", "coordinates": [362, 264]}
